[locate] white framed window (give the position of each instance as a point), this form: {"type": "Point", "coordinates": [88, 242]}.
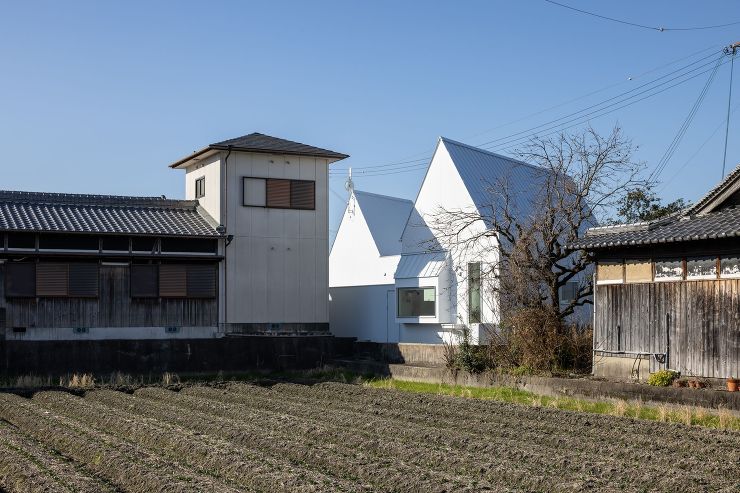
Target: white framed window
{"type": "Point", "coordinates": [729, 267]}
{"type": "Point", "coordinates": [417, 302]}
{"type": "Point", "coordinates": [701, 268]}
{"type": "Point", "coordinates": [669, 270]}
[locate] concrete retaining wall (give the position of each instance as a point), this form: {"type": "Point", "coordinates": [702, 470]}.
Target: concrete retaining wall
{"type": "Point", "coordinates": [571, 387]}
{"type": "Point", "coordinates": [174, 355]}
{"type": "Point", "coordinates": [622, 367]}
{"type": "Point", "coordinates": [409, 353]}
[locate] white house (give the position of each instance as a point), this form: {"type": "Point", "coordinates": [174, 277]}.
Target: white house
{"type": "Point", "coordinates": [362, 264]}
{"type": "Point", "coordinates": [437, 289]}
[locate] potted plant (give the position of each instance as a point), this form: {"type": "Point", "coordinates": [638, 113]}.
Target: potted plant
{"type": "Point", "coordinates": [732, 384]}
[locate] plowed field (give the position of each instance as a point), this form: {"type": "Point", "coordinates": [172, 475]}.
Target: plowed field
{"type": "Point", "coordinates": [338, 437]}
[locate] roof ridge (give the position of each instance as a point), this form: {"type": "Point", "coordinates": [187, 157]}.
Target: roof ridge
{"type": "Point", "coordinates": [60, 198]}
{"type": "Point", "coordinates": [714, 191]}
{"type": "Point", "coordinates": [490, 153]}
{"type": "Point", "coordinates": [380, 195]}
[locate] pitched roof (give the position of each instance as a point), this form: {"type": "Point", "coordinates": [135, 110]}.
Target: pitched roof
{"type": "Point", "coordinates": [257, 142]}
{"type": "Point", "coordinates": [724, 223]}
{"type": "Point", "coordinates": [483, 170]}
{"type": "Point", "coordinates": [103, 214]}
{"type": "Point", "coordinates": [385, 217]}
{"type": "Point", "coordinates": [730, 182]}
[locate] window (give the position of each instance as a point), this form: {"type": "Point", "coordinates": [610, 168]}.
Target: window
{"type": "Point", "coordinates": [173, 281]}
{"type": "Point", "coordinates": [568, 292]}
{"type": "Point", "coordinates": [609, 272]}
{"type": "Point", "coordinates": [22, 240]}
{"type": "Point", "coordinates": [279, 193]}
{"type": "Point", "coordinates": [200, 187]}
{"type": "Point", "coordinates": [20, 280]}
{"type": "Point", "coordinates": [51, 279]}
{"type": "Point", "coordinates": [729, 267]}
{"type": "Point", "coordinates": [669, 270]}
{"type": "Point", "coordinates": [638, 271]}
{"type": "Point", "coordinates": [416, 302]}
{"type": "Point", "coordinates": [68, 242]}
{"type": "Point", "coordinates": [474, 315]}
{"type": "Point", "coordinates": [255, 192]}
{"type": "Point", "coordinates": [701, 268]}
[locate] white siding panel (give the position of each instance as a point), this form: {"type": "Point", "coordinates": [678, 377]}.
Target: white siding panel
{"type": "Point", "coordinates": [307, 278]}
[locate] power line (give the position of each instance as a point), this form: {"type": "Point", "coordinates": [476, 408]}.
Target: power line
{"type": "Point", "coordinates": [643, 26]}
{"type": "Point", "coordinates": [428, 155]}
{"type": "Point", "coordinates": [681, 168]}
{"type": "Point", "coordinates": [684, 127]}
{"type": "Point", "coordinates": [730, 50]}
{"type": "Point", "coordinates": [532, 130]}
{"type": "Point", "coordinates": [513, 144]}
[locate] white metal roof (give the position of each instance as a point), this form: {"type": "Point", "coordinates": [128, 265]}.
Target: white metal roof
{"type": "Point", "coordinates": [385, 217]}
{"type": "Point", "coordinates": [420, 265]}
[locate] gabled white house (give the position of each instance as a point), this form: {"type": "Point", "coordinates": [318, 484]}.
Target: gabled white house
{"type": "Point", "coordinates": [437, 290]}
{"type": "Point", "coordinates": [362, 264]}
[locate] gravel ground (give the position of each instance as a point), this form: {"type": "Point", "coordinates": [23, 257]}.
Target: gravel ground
{"type": "Point", "coordinates": [338, 437]}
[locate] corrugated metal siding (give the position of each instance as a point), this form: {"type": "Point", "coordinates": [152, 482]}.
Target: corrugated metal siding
{"type": "Point", "coordinates": [420, 265]}
{"type": "Point", "coordinates": [83, 280]}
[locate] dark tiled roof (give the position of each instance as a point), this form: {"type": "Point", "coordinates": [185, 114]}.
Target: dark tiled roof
{"type": "Point", "coordinates": [724, 223]}
{"type": "Point", "coordinates": [257, 142]}
{"type": "Point", "coordinates": [78, 213]}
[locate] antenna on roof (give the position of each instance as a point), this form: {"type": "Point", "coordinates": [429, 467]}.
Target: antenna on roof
{"type": "Point", "coordinates": [349, 185]}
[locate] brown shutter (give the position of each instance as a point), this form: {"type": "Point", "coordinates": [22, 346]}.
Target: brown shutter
{"type": "Point", "coordinates": [302, 194]}
{"type": "Point", "coordinates": [83, 280]}
{"type": "Point", "coordinates": [20, 280]}
{"type": "Point", "coordinates": [52, 279]}
{"type": "Point", "coordinates": [202, 281]}
{"type": "Point", "coordinates": [278, 193]}
{"type": "Point", "coordinates": [144, 281]}
{"type": "Point", "coordinates": [172, 281]}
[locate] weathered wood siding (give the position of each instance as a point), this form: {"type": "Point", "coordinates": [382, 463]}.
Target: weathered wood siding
{"type": "Point", "coordinates": [696, 322]}
{"type": "Point", "coordinates": [113, 308]}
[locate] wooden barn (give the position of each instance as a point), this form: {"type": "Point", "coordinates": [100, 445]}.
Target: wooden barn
{"type": "Point", "coordinates": [667, 292]}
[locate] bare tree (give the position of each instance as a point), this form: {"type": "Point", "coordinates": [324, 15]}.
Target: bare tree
{"type": "Point", "coordinates": [576, 180]}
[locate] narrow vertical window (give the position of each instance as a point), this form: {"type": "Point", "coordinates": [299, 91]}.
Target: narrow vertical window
{"type": "Point", "coordinates": [474, 312]}
{"type": "Point", "coordinates": [200, 187]}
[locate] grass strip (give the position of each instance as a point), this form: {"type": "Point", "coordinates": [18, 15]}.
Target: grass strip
{"type": "Point", "coordinates": [687, 415]}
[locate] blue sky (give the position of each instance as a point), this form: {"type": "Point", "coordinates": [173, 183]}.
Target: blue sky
{"type": "Point", "coordinates": [98, 97]}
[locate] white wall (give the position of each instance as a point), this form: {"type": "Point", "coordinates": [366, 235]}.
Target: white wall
{"type": "Point", "coordinates": [444, 190]}
{"type": "Point", "coordinates": [210, 168]}
{"type": "Point", "coordinates": [354, 259]}
{"type": "Point", "coordinates": [276, 267]}
{"type": "Point", "coordinates": [364, 312]}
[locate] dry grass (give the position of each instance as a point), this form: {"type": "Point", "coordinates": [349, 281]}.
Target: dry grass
{"type": "Point", "coordinates": [620, 408]}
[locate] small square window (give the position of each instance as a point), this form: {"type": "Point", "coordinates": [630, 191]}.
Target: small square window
{"type": "Point", "coordinates": [729, 267]}
{"type": "Point", "coordinates": [200, 187]}
{"type": "Point", "coordinates": [668, 270]}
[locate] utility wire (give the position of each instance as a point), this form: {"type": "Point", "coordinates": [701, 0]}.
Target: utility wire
{"type": "Point", "coordinates": [428, 154]}
{"type": "Point", "coordinates": [665, 159]}
{"type": "Point", "coordinates": [683, 166]}
{"type": "Point", "coordinates": [514, 143]}
{"type": "Point", "coordinates": [650, 85]}
{"type": "Point", "coordinates": [643, 26]}
{"type": "Point", "coordinates": [731, 52]}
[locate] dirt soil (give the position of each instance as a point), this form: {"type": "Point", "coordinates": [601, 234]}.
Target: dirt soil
{"type": "Point", "coordinates": [337, 437]}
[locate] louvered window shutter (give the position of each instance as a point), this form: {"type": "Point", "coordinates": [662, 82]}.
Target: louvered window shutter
{"type": "Point", "coordinates": [144, 281]}
{"type": "Point", "coordinates": [20, 280]}
{"type": "Point", "coordinates": [172, 281]}
{"type": "Point", "coordinates": [278, 193]}
{"type": "Point", "coordinates": [52, 279]}
{"type": "Point", "coordinates": [302, 194]}
{"type": "Point", "coordinates": [83, 280]}
{"type": "Point", "coordinates": [201, 281]}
